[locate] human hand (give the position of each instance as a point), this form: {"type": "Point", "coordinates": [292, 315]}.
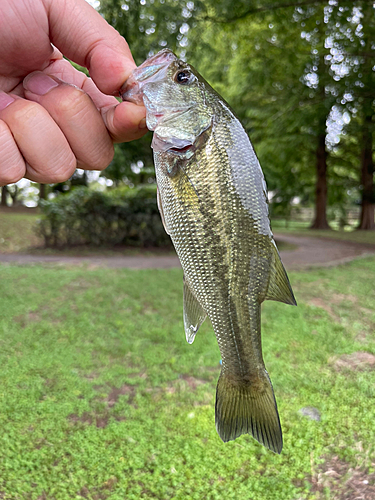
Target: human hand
{"type": "Point", "coordinates": [53, 118]}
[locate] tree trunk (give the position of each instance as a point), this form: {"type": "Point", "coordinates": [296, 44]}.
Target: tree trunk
{"type": "Point", "coordinates": [367, 178]}
{"type": "Point", "coordinates": [42, 191]}
{"type": "Point", "coordinates": [320, 221]}
{"type": "Point", "coordinates": [4, 196]}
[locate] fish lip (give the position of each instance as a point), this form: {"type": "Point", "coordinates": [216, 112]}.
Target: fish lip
{"type": "Point", "coordinates": [145, 73]}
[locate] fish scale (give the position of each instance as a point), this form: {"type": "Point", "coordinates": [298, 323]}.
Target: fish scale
{"type": "Point", "coordinates": [213, 202]}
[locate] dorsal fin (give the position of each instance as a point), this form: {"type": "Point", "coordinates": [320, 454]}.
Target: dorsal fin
{"type": "Point", "coordinates": [278, 286]}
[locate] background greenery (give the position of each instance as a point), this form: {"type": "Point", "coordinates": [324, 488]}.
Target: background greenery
{"type": "Point", "coordinates": [300, 75]}
{"type": "Point", "coordinates": [122, 216]}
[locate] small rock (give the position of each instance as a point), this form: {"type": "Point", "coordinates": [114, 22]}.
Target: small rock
{"type": "Point", "coordinates": [311, 413]}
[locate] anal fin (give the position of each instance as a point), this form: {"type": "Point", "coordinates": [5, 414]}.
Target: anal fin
{"type": "Point", "coordinates": [279, 287]}
{"type": "Point", "coordinates": [194, 314]}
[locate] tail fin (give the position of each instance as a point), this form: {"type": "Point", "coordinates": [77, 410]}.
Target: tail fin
{"type": "Point", "coordinates": [246, 407]}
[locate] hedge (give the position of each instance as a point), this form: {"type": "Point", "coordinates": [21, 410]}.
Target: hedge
{"type": "Point", "coordinates": [123, 216]}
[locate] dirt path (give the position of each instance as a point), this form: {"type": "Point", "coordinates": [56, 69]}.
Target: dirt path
{"type": "Point", "coordinates": [309, 252]}
{"type": "Point", "coordinates": [312, 252]}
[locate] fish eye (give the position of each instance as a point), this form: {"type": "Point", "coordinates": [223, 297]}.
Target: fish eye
{"type": "Point", "coordinates": [183, 77]}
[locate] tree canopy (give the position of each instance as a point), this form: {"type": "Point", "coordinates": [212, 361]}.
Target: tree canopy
{"type": "Point", "coordinates": [299, 74]}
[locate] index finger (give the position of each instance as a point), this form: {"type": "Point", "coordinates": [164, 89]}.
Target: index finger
{"type": "Point", "coordinates": [86, 38]}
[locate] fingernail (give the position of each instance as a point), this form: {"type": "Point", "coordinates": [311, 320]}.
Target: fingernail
{"type": "Point", "coordinates": [5, 100]}
{"type": "Point", "coordinates": [39, 83]}
{"type": "Point", "coordinates": [142, 123]}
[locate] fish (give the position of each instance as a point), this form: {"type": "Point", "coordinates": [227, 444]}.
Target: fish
{"type": "Point", "coordinates": [212, 198]}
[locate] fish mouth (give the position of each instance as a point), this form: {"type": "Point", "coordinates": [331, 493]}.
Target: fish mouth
{"type": "Point", "coordinates": [152, 70]}
{"type": "Point", "coordinates": [181, 150]}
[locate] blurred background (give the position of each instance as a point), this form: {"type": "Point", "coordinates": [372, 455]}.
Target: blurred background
{"type": "Point", "coordinates": [299, 75]}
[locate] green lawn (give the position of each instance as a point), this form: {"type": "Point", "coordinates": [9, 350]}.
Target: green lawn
{"type": "Point", "coordinates": [302, 229]}
{"type": "Point", "coordinates": [17, 232]}
{"type": "Point", "coordinates": [102, 398]}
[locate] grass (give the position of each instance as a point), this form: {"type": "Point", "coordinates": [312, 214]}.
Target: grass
{"type": "Point", "coordinates": [302, 229]}
{"type": "Point", "coordinates": [17, 232]}
{"type": "Point", "coordinates": [102, 398]}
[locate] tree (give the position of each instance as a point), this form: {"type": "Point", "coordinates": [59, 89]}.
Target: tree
{"type": "Point", "coordinates": [42, 192]}
{"type": "Point", "coordinates": [132, 163]}
{"type": "Point", "coordinates": [278, 65]}
{"type": "Point", "coordinates": [4, 196]}
{"type": "Point", "coordinates": [278, 80]}
{"type": "Point", "coordinates": [368, 115]}
{"type": "Point", "coordinates": [355, 59]}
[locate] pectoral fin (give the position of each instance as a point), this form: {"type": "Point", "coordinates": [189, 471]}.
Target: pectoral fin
{"type": "Point", "coordinates": [194, 314]}
{"type": "Point", "coordinates": [160, 207]}
{"type": "Point", "coordinates": [279, 287]}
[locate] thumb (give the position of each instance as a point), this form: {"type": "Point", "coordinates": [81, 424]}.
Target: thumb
{"type": "Point", "coordinates": [83, 36]}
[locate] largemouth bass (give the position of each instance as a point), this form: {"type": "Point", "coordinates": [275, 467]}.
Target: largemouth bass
{"type": "Point", "coordinates": [212, 198]}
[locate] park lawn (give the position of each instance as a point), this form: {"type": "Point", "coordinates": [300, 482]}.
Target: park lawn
{"type": "Point", "coordinates": [302, 229]}
{"type": "Point", "coordinates": [102, 398]}
{"type": "Point", "coordinates": [17, 231]}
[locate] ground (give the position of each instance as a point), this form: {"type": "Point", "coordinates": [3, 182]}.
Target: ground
{"type": "Point", "coordinates": [102, 398]}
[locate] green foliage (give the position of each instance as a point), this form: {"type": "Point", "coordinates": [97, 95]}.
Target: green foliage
{"type": "Point", "coordinates": [102, 398]}
{"type": "Point", "coordinates": [132, 163]}
{"type": "Point", "coordinates": [148, 27]}
{"type": "Point", "coordinates": [124, 216]}
{"type": "Point", "coordinates": [287, 69]}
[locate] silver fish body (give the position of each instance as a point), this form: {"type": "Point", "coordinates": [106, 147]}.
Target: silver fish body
{"type": "Point", "coordinates": [213, 201]}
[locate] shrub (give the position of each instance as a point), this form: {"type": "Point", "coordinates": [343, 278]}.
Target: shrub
{"type": "Point", "coordinates": [126, 216]}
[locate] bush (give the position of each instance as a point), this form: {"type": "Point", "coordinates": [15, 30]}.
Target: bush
{"type": "Point", "coordinates": [124, 216]}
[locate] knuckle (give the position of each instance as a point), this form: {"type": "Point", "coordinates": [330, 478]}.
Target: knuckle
{"type": "Point", "coordinates": [64, 173]}
{"type": "Point", "coordinates": [62, 169]}
{"type": "Point", "coordinates": [12, 166]}
{"type": "Point", "coordinates": [26, 112]}
{"type": "Point", "coordinates": [72, 101]}
{"type": "Point", "coordinates": [103, 158]}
